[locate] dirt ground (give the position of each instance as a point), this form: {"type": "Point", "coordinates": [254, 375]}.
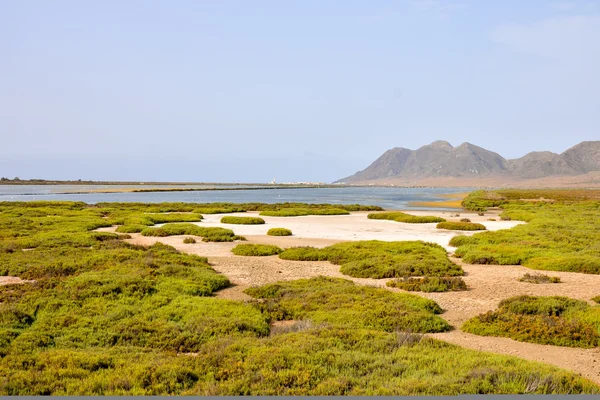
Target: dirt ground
{"type": "Point", "coordinates": [488, 284]}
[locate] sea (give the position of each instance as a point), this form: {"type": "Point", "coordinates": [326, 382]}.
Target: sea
{"type": "Point", "coordinates": [386, 197]}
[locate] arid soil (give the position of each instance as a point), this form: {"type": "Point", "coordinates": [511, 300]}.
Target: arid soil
{"type": "Point", "coordinates": [488, 284]}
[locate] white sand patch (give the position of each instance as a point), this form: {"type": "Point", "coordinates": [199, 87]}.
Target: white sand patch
{"type": "Point", "coordinates": [357, 226]}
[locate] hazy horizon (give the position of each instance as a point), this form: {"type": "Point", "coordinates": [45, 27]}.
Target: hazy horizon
{"type": "Point", "coordinates": [234, 91]}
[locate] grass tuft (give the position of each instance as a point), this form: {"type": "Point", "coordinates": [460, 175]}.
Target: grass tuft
{"type": "Point", "coordinates": [403, 217]}
{"type": "Point", "coordinates": [242, 220]}
{"type": "Point", "coordinates": [429, 284]}
{"type": "Point", "coordinates": [256, 250]}
{"type": "Point", "coordinates": [376, 259]}
{"type": "Point", "coordinates": [279, 232]}
{"type": "Point", "coordinates": [461, 226]}
{"type": "Point", "coordinates": [539, 278]}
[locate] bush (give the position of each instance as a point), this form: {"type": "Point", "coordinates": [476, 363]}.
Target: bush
{"type": "Point", "coordinates": [461, 226]}
{"type": "Point", "coordinates": [279, 232]}
{"type": "Point", "coordinates": [429, 284]}
{"type": "Point", "coordinates": [338, 302]}
{"type": "Point", "coordinates": [539, 278]}
{"type": "Point", "coordinates": [465, 220]}
{"type": "Point", "coordinates": [376, 259]}
{"type": "Point", "coordinates": [242, 220]}
{"type": "Point", "coordinates": [558, 321]}
{"type": "Point", "coordinates": [298, 212]}
{"type": "Point", "coordinates": [189, 240]}
{"type": "Point", "coordinates": [256, 250]}
{"type": "Point", "coordinates": [208, 234]}
{"type": "Point", "coordinates": [403, 217]}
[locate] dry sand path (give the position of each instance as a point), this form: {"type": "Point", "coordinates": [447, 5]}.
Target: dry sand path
{"type": "Point", "coordinates": [488, 284]}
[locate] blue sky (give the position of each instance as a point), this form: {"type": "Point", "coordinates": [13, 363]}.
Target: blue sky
{"type": "Point", "coordinates": [298, 90]}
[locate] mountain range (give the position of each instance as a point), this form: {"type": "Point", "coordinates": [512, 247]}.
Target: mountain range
{"type": "Point", "coordinates": [469, 164]}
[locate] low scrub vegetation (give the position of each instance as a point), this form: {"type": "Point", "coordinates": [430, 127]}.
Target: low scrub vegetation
{"type": "Point", "coordinates": [341, 303]}
{"type": "Point", "coordinates": [403, 217]}
{"type": "Point", "coordinates": [461, 226]}
{"type": "Point", "coordinates": [256, 250]}
{"type": "Point", "coordinates": [211, 234]}
{"type": "Point", "coordinates": [429, 284]}
{"type": "Point", "coordinates": [298, 212]}
{"type": "Point", "coordinates": [279, 232]}
{"type": "Point", "coordinates": [218, 210]}
{"type": "Point", "coordinates": [539, 278]}
{"type": "Point", "coordinates": [242, 220]}
{"type": "Point", "coordinates": [560, 235]}
{"type": "Point", "coordinates": [376, 259]}
{"type": "Point", "coordinates": [104, 317]}
{"type": "Point", "coordinates": [557, 321]}
{"type": "Point", "coordinates": [189, 240]}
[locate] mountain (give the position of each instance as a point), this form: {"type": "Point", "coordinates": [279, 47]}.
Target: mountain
{"type": "Point", "coordinates": [440, 160]}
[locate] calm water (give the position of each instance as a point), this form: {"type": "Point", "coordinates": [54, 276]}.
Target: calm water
{"type": "Point", "coordinates": [390, 198]}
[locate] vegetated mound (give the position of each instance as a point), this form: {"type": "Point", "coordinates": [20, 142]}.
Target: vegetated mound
{"type": "Point", "coordinates": [403, 217]}
{"type": "Point", "coordinates": [242, 220]}
{"type": "Point", "coordinates": [461, 226]}
{"type": "Point", "coordinates": [562, 233]}
{"type": "Point", "coordinates": [211, 234]}
{"type": "Point", "coordinates": [377, 259]}
{"type": "Point", "coordinates": [539, 278]}
{"type": "Point", "coordinates": [429, 284]}
{"type": "Point", "coordinates": [558, 321]}
{"type": "Point", "coordinates": [108, 318]}
{"type": "Point", "coordinates": [189, 240]}
{"type": "Point", "coordinates": [256, 250]}
{"type": "Point", "coordinates": [279, 232]}
{"type": "Point", "coordinates": [338, 302]}
{"type": "Point", "coordinates": [219, 210]}
{"type": "Point", "coordinates": [298, 212]}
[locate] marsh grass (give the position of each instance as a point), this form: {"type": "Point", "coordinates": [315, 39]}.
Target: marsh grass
{"type": "Point", "coordinates": [298, 212]}
{"type": "Point", "coordinates": [104, 317]}
{"type": "Point", "coordinates": [279, 232]}
{"type": "Point", "coordinates": [562, 235]}
{"type": "Point", "coordinates": [211, 234]}
{"type": "Point", "coordinates": [461, 226]}
{"type": "Point", "coordinates": [558, 321]}
{"type": "Point", "coordinates": [429, 284]}
{"type": "Point", "coordinates": [377, 259]}
{"type": "Point", "coordinates": [539, 278]}
{"type": "Point", "coordinates": [256, 250]}
{"type": "Point", "coordinates": [403, 217]}
{"type": "Point", "coordinates": [242, 220]}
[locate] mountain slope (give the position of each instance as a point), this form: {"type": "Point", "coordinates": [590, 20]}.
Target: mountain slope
{"type": "Point", "coordinates": [440, 159]}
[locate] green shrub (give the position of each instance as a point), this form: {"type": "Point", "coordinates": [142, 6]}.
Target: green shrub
{"type": "Point", "coordinates": [376, 259]}
{"type": "Point", "coordinates": [219, 210]}
{"type": "Point", "coordinates": [429, 284]}
{"type": "Point", "coordinates": [105, 317]}
{"type": "Point", "coordinates": [461, 226]}
{"type": "Point", "coordinates": [256, 250]}
{"type": "Point", "coordinates": [189, 240]}
{"type": "Point", "coordinates": [539, 278]}
{"type": "Point", "coordinates": [562, 233]}
{"type": "Point", "coordinates": [558, 321]}
{"type": "Point", "coordinates": [279, 232]}
{"type": "Point", "coordinates": [297, 212]}
{"type": "Point", "coordinates": [242, 220]}
{"type": "Point", "coordinates": [465, 220]}
{"type": "Point", "coordinates": [338, 302]}
{"type": "Point", "coordinates": [403, 217]}
{"type": "Point", "coordinates": [212, 234]}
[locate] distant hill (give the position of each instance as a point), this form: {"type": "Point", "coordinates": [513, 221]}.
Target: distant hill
{"type": "Point", "coordinates": [440, 161]}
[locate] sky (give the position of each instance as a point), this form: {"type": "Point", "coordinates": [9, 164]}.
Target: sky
{"type": "Point", "coordinates": [297, 90]}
